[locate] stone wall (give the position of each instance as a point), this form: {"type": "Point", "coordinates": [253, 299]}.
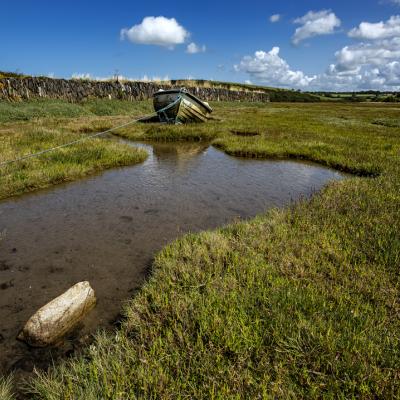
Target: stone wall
{"type": "Point", "coordinates": [14, 89]}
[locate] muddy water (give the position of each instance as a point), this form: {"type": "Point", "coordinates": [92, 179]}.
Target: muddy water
{"type": "Point", "coordinates": [107, 228]}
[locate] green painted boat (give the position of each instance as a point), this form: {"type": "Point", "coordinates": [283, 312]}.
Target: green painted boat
{"type": "Point", "coordinates": [178, 106]}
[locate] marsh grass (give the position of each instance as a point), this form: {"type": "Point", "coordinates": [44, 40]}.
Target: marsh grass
{"type": "Point", "coordinates": [245, 133]}
{"type": "Point", "coordinates": [296, 303]}
{"type": "Point", "coordinates": [62, 165]}
{"type": "Point", "coordinates": [29, 110]}
{"type": "Point", "coordinates": [389, 122]}
{"type": "Point", "coordinates": [35, 126]}
{"type": "Point", "coordinates": [6, 388]}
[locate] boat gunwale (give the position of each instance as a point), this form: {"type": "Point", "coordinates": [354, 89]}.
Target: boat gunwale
{"type": "Point", "coordinates": [186, 93]}
{"type": "Point", "coordinates": [192, 111]}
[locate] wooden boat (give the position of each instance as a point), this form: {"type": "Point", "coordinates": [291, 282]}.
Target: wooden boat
{"type": "Point", "coordinates": [178, 106]}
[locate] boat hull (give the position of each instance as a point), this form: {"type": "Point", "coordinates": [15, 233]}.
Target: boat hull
{"type": "Point", "coordinates": [179, 106]}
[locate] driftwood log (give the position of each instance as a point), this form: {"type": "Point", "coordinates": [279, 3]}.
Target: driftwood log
{"type": "Point", "coordinates": [61, 315]}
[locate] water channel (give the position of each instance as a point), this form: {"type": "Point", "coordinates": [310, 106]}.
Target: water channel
{"type": "Point", "coordinates": [107, 228]}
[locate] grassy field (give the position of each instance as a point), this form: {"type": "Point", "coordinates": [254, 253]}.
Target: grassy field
{"type": "Point", "coordinates": [296, 303]}
{"type": "Point", "coordinates": [30, 127]}
{"type": "Point", "coordinates": [366, 96]}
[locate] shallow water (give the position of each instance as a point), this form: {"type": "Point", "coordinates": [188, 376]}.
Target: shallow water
{"type": "Point", "coordinates": [107, 228]}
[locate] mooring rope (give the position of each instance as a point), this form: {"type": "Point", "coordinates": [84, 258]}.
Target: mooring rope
{"type": "Point", "coordinates": [64, 145]}
{"type": "Point", "coordinates": [26, 157]}
{"type": "Point", "coordinates": [162, 112]}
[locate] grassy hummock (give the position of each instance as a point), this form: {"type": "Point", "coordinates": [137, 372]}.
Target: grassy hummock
{"type": "Point", "coordinates": [31, 127]}
{"type": "Point", "coordinates": [296, 303]}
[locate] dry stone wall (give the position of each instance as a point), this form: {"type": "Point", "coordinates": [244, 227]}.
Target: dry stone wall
{"type": "Point", "coordinates": [14, 89]}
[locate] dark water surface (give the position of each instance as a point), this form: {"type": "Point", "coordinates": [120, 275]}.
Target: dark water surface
{"type": "Point", "coordinates": [106, 229]}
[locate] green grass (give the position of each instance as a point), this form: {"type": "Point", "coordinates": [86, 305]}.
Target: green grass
{"type": "Point", "coordinates": [391, 123]}
{"type": "Point", "coordinates": [7, 74]}
{"type": "Point", "coordinates": [6, 391]}
{"type": "Point", "coordinates": [34, 109]}
{"type": "Point", "coordinates": [342, 136]}
{"type": "Point", "coordinates": [38, 125]}
{"type": "Point", "coordinates": [296, 303]}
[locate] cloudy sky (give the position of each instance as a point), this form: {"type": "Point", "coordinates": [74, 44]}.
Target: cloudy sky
{"type": "Point", "coordinates": [307, 45]}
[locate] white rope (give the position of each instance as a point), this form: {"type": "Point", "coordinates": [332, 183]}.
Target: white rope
{"type": "Point", "coordinates": [4, 163]}
{"type": "Point", "coordinates": [26, 157]}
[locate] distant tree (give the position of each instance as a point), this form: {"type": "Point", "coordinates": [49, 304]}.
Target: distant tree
{"type": "Point", "coordinates": [390, 99]}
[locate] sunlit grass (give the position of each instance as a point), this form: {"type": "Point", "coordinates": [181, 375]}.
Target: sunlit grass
{"type": "Point", "coordinates": [38, 133]}
{"type": "Point", "coordinates": [297, 303]}
{"type": "Point", "coordinates": [6, 390]}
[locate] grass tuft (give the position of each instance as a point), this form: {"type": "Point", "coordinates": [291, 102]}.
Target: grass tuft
{"type": "Point", "coordinates": [6, 390]}
{"type": "Point", "coordinates": [245, 133]}
{"type": "Point", "coordinates": [389, 122]}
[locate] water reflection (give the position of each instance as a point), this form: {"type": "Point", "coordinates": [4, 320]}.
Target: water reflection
{"type": "Point", "coordinates": [107, 228]}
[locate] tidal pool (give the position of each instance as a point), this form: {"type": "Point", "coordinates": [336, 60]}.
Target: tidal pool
{"type": "Point", "coordinates": [107, 228]}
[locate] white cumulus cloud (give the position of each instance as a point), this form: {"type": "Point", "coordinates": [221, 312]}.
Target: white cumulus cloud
{"type": "Point", "coordinates": [274, 18]}
{"type": "Point", "coordinates": [271, 69]}
{"type": "Point", "coordinates": [362, 66]}
{"type": "Point", "coordinates": [193, 48]}
{"type": "Point", "coordinates": [315, 23]}
{"type": "Point", "coordinates": [378, 30]}
{"type": "Point", "coordinates": [383, 77]}
{"type": "Point", "coordinates": [158, 31]}
{"type": "Point", "coordinates": [376, 53]}
{"type": "Point", "coordinates": [83, 76]}
{"type": "Point", "coordinates": [371, 63]}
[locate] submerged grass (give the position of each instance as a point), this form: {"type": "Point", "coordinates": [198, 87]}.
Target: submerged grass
{"type": "Point", "coordinates": [296, 303]}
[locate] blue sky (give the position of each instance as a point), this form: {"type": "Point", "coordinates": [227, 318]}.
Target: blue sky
{"type": "Point", "coordinates": [220, 40]}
